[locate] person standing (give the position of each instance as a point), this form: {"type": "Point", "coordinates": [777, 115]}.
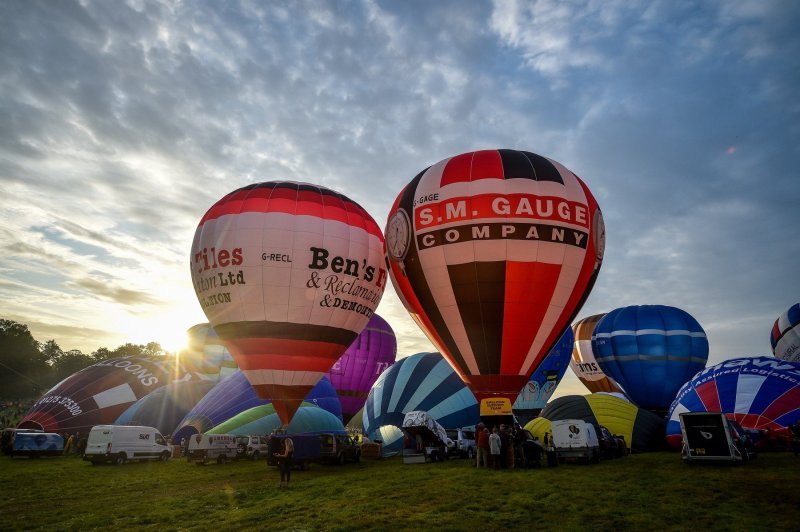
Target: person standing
{"type": "Point", "coordinates": [286, 462]}
{"type": "Point", "coordinates": [494, 447]}
{"type": "Point", "coordinates": [482, 445]}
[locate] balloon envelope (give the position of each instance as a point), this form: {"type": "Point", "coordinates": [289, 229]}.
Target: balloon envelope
{"type": "Point", "coordinates": [642, 430]}
{"type": "Point", "coordinates": [545, 379]}
{"type": "Point", "coordinates": [234, 395]}
{"type": "Point", "coordinates": [583, 362]}
{"type": "Point", "coordinates": [97, 395]}
{"type": "Point", "coordinates": [359, 367]}
{"type": "Point", "coordinates": [424, 381]}
{"type": "Point", "coordinates": [493, 253]}
{"type": "Point", "coordinates": [785, 337]}
{"type": "Point", "coordinates": [288, 275]}
{"type": "Point", "coordinates": [263, 420]}
{"type": "Point", "coordinates": [206, 357]}
{"type": "Point", "coordinates": [651, 351]}
{"type": "Point", "coordinates": [758, 392]}
{"type": "Point", "coordinates": [165, 407]}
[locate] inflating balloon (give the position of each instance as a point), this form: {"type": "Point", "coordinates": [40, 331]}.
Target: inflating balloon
{"type": "Point", "coordinates": [493, 253]}
{"type": "Point", "coordinates": [165, 407]}
{"type": "Point", "coordinates": [642, 430]}
{"type": "Point", "coordinates": [651, 351]}
{"type": "Point", "coordinates": [761, 393]}
{"type": "Point", "coordinates": [97, 395]}
{"type": "Point", "coordinates": [264, 420]}
{"type": "Point", "coordinates": [359, 367]}
{"type": "Point", "coordinates": [206, 357]}
{"type": "Point", "coordinates": [583, 363]}
{"type": "Point", "coordinates": [288, 274]}
{"type": "Point", "coordinates": [234, 394]}
{"type": "Point", "coordinates": [785, 337]}
{"type": "Point", "coordinates": [424, 381]}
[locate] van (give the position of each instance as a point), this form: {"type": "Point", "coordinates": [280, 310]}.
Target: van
{"type": "Point", "coordinates": [36, 444]}
{"type": "Point", "coordinates": [253, 447]}
{"type": "Point", "coordinates": [576, 439]}
{"type": "Point", "coordinates": [120, 443]}
{"type": "Point", "coordinates": [206, 447]}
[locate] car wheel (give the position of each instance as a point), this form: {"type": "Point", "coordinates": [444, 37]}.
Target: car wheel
{"type": "Point", "coordinates": [120, 459]}
{"type": "Point", "coordinates": [164, 456]}
{"type": "Point", "coordinates": [222, 459]}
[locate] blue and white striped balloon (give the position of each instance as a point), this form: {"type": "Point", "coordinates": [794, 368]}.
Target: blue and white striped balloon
{"type": "Point", "coordinates": [651, 351]}
{"type": "Point", "coordinates": [785, 337]}
{"type": "Point", "coordinates": [424, 381]}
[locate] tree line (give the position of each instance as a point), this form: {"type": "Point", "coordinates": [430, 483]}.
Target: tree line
{"type": "Point", "coordinates": [28, 368]}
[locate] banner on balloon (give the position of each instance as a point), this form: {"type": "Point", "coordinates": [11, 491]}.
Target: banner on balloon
{"type": "Point", "coordinates": [495, 406]}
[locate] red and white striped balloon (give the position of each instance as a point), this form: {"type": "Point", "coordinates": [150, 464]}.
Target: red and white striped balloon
{"type": "Point", "coordinates": [493, 253]}
{"type": "Point", "coordinates": [288, 274]}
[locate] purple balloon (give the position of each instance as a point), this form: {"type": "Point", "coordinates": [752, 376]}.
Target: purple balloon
{"type": "Point", "coordinates": [353, 375]}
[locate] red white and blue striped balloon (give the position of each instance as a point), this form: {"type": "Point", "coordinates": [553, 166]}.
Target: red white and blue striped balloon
{"type": "Point", "coordinates": [757, 392]}
{"type": "Point", "coordinates": [288, 274]}
{"type": "Point", "coordinates": [785, 337]}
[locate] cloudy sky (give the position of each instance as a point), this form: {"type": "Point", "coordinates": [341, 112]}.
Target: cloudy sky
{"type": "Point", "coordinates": [122, 122]}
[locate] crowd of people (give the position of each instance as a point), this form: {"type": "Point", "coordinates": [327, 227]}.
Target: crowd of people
{"type": "Point", "coordinates": [506, 447]}
{"type": "Point", "coordinates": [13, 410]}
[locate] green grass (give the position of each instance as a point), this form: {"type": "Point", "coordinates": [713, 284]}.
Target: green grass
{"type": "Point", "coordinates": [654, 491]}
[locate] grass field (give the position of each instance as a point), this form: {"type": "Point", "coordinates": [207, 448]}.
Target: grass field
{"type": "Point", "coordinates": [654, 491]}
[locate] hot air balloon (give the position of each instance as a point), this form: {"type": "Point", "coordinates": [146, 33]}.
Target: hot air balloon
{"type": "Point", "coordinates": [234, 394]}
{"type": "Point", "coordinates": [359, 367]}
{"type": "Point", "coordinates": [760, 393]}
{"type": "Point", "coordinates": [264, 420]}
{"type": "Point", "coordinates": [97, 395]}
{"type": "Point", "coordinates": [424, 381]}
{"type": "Point", "coordinates": [165, 407]}
{"type": "Point", "coordinates": [651, 351]}
{"type": "Point", "coordinates": [493, 253]}
{"type": "Point", "coordinates": [583, 363]}
{"type": "Point", "coordinates": [538, 390]}
{"type": "Point", "coordinates": [642, 430]}
{"type": "Point", "coordinates": [288, 275]}
{"type": "Point", "coordinates": [205, 357]}
{"type": "Point", "coordinates": [785, 337]}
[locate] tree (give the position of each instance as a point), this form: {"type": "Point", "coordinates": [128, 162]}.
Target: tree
{"type": "Point", "coordinates": [51, 351]}
{"type": "Point", "coordinates": [24, 367]}
{"type": "Point", "coordinates": [70, 362]}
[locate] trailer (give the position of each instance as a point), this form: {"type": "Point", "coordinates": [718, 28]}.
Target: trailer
{"type": "Point", "coordinates": [712, 437]}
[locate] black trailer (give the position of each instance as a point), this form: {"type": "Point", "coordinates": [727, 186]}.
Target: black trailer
{"type": "Point", "coordinates": [712, 437]}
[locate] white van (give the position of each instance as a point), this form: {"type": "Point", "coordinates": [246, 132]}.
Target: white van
{"type": "Point", "coordinates": [205, 447]}
{"type": "Point", "coordinates": [575, 438]}
{"type": "Point", "coordinates": [120, 443]}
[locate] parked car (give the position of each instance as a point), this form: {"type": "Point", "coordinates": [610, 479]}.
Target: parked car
{"type": "Point", "coordinates": [611, 446]}
{"type": "Point", "coordinates": [212, 447]}
{"type": "Point", "coordinates": [462, 442]}
{"type": "Point", "coordinates": [338, 448]}
{"type": "Point", "coordinates": [121, 443]}
{"type": "Point", "coordinates": [252, 447]}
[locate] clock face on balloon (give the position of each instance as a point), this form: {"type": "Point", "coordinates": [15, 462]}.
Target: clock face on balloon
{"type": "Point", "coordinates": [398, 235]}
